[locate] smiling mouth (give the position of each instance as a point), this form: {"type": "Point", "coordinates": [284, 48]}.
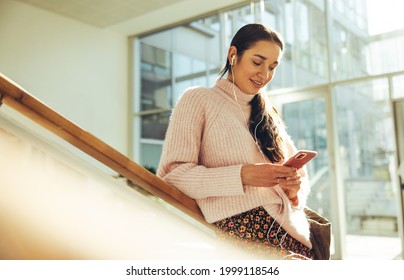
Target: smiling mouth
{"type": "Point", "coordinates": [257, 83]}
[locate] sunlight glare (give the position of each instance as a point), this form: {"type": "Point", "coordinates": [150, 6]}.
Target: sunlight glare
{"type": "Point", "coordinates": [385, 16]}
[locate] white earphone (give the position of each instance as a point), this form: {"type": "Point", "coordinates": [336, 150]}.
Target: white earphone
{"type": "Point", "coordinates": [232, 59]}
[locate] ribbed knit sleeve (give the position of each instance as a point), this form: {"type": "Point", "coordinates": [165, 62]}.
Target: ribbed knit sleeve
{"type": "Point", "coordinates": [180, 160]}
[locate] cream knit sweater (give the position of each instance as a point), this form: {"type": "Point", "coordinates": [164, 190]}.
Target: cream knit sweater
{"type": "Point", "coordinates": [207, 143]}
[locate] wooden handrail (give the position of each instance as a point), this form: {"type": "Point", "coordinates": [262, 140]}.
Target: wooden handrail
{"type": "Point", "coordinates": [20, 100]}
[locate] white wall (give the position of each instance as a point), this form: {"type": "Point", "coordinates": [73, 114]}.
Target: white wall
{"type": "Point", "coordinates": [78, 70]}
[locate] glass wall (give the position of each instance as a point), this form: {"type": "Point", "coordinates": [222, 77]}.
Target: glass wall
{"type": "Point", "coordinates": [341, 47]}
{"type": "Point", "coordinates": [367, 38]}
{"type": "Point", "coordinates": [306, 121]}
{"type": "Point", "coordinates": [348, 40]}
{"type": "Point", "coordinates": [367, 154]}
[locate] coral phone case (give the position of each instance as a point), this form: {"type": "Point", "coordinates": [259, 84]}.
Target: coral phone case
{"type": "Point", "coordinates": [300, 158]}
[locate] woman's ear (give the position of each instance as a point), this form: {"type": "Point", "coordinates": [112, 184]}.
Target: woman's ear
{"type": "Point", "coordinates": [232, 55]}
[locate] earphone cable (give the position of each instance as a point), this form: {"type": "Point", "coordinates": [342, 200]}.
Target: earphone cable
{"type": "Point", "coordinates": [242, 113]}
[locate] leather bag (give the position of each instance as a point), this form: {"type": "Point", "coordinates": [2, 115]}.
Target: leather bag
{"type": "Point", "coordinates": [320, 234]}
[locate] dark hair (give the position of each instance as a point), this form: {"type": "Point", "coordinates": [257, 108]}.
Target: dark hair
{"type": "Point", "coordinates": [267, 132]}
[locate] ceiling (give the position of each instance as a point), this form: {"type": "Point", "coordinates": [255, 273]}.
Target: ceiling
{"type": "Point", "coordinates": [100, 13]}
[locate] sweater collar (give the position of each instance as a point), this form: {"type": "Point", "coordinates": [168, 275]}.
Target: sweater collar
{"type": "Point", "coordinates": [230, 89]}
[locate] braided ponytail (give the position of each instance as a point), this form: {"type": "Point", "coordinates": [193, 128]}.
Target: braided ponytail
{"type": "Point", "coordinates": [266, 131]}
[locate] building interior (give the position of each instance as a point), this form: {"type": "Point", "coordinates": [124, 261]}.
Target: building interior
{"type": "Point", "coordinates": [117, 68]}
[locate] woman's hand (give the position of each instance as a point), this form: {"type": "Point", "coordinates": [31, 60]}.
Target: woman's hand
{"type": "Point", "coordinates": [291, 186]}
{"type": "Point", "coordinates": [270, 175]}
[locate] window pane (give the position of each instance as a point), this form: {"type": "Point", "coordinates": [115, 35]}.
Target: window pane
{"type": "Point", "coordinates": [357, 51]}
{"type": "Point", "coordinates": [188, 71]}
{"type": "Point", "coordinates": [236, 19]}
{"type": "Point", "coordinates": [367, 154]}
{"type": "Point", "coordinates": [302, 24]}
{"type": "Point", "coordinates": [156, 78]}
{"type": "Point", "coordinates": [150, 154]}
{"type": "Point", "coordinates": [349, 57]}
{"type": "Point", "coordinates": [391, 11]}
{"type": "Point", "coordinates": [398, 87]}
{"type": "Point", "coordinates": [386, 54]}
{"type": "Point", "coordinates": [187, 52]}
{"type": "Point", "coordinates": [154, 126]}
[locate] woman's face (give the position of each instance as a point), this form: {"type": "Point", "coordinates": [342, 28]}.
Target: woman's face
{"type": "Point", "coordinates": [256, 67]}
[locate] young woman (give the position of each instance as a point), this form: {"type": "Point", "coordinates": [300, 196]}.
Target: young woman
{"type": "Point", "coordinates": [225, 147]}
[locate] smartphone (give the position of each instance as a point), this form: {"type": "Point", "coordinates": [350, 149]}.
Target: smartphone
{"type": "Point", "coordinates": [300, 158]}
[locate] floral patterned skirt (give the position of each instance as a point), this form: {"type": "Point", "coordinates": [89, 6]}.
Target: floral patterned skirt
{"type": "Point", "coordinates": [259, 232]}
